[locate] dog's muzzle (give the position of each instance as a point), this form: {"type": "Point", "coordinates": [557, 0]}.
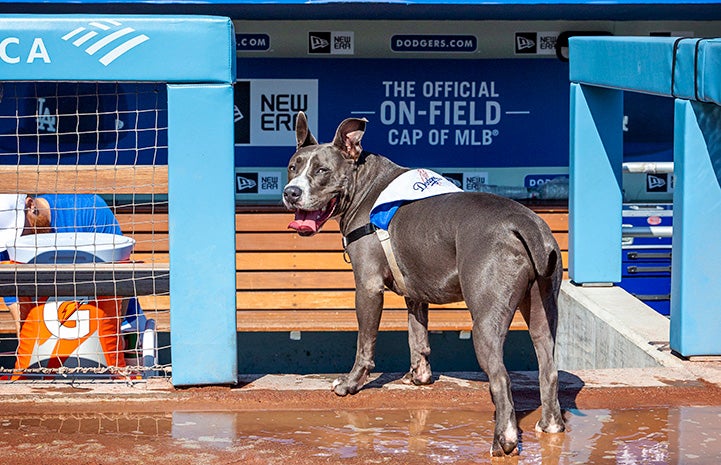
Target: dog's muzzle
{"type": "Point", "coordinates": [306, 222]}
{"type": "Point", "coordinates": [291, 196]}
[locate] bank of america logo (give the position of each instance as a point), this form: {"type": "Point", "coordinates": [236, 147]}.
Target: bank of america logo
{"type": "Point", "coordinates": [107, 37]}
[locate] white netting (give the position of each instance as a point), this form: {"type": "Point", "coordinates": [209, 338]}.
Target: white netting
{"type": "Point", "coordinates": [83, 229]}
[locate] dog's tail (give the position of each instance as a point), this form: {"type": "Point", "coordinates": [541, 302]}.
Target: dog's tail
{"type": "Point", "coordinates": [541, 246]}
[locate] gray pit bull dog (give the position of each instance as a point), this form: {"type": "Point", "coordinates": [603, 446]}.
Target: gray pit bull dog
{"type": "Point", "coordinates": [490, 251]}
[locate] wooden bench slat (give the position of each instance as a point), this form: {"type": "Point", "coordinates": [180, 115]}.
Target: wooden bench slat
{"type": "Point", "coordinates": [276, 242]}
{"type": "Point", "coordinates": [295, 300]}
{"type": "Point", "coordinates": [77, 179]}
{"type": "Point", "coordinates": [132, 223]}
{"type": "Point", "coordinates": [290, 300]}
{"type": "Point", "coordinates": [280, 261]}
{"type": "Point", "coordinates": [318, 320]}
{"type": "Point", "coordinates": [270, 222]}
{"type": "Point", "coordinates": [310, 261]}
{"type": "Point", "coordinates": [273, 222]}
{"type": "Point", "coordinates": [301, 280]}
{"type": "Point", "coordinates": [557, 221]}
{"type": "Point", "coordinates": [150, 257]}
{"type": "Point", "coordinates": [273, 241]}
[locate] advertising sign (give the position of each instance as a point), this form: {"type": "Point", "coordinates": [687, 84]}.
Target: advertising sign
{"type": "Point", "coordinates": [460, 113]}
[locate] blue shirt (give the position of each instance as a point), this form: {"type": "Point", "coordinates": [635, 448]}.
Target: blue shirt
{"type": "Point", "coordinates": [80, 213]}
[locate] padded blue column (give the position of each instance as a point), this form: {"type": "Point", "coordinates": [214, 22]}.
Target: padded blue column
{"type": "Point", "coordinates": [595, 199]}
{"type": "Point", "coordinates": [696, 266]}
{"type": "Point", "coordinates": [202, 234]}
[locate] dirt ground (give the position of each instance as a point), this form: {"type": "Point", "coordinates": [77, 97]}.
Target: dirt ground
{"type": "Point", "coordinates": [297, 420]}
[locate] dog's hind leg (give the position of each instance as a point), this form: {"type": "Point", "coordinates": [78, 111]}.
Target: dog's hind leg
{"type": "Point", "coordinates": [490, 326]}
{"type": "Point", "coordinates": [540, 310]}
{"type": "Point", "coordinates": [420, 372]}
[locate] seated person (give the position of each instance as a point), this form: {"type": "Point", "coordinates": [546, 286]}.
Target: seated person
{"type": "Point", "coordinates": [55, 213]}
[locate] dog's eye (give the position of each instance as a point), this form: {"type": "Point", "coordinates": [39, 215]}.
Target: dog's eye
{"type": "Point", "coordinates": [322, 170]}
{"type": "Point", "coordinates": [291, 168]}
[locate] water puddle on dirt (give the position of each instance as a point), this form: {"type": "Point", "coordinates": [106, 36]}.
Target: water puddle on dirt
{"type": "Point", "coordinates": [677, 435]}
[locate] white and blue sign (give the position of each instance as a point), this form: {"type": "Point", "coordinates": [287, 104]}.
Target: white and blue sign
{"type": "Point", "coordinates": [460, 113]}
{"type": "Point", "coordinates": [491, 113]}
{"type": "Point", "coordinates": [265, 109]}
{"type": "Point", "coordinates": [444, 43]}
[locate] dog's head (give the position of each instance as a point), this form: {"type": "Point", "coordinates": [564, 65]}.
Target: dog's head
{"type": "Point", "coordinates": [319, 175]}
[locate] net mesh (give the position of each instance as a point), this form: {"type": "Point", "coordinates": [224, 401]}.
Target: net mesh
{"type": "Point", "coordinates": [84, 229]}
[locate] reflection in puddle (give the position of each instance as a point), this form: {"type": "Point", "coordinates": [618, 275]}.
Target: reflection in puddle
{"type": "Point", "coordinates": [677, 435]}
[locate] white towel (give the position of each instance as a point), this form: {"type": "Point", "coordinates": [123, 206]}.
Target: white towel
{"type": "Point", "coordinates": [408, 187]}
{"type": "Point", "coordinates": [12, 218]}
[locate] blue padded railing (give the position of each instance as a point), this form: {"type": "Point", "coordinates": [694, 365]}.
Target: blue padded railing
{"type": "Point", "coordinates": [688, 70]}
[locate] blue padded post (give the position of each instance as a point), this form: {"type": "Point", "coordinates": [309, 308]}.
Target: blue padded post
{"type": "Point", "coordinates": [696, 266]}
{"type": "Point", "coordinates": [595, 199]}
{"type": "Point", "coordinates": [202, 234]}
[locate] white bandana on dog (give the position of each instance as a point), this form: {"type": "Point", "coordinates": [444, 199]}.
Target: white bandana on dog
{"type": "Point", "coordinates": [408, 187]}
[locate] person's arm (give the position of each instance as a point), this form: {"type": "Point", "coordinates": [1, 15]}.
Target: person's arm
{"type": "Point", "coordinates": [15, 313]}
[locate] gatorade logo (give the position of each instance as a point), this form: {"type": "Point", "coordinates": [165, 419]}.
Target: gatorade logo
{"type": "Point", "coordinates": [67, 319]}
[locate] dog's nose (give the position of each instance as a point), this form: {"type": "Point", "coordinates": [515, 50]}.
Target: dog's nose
{"type": "Point", "coordinates": [292, 194]}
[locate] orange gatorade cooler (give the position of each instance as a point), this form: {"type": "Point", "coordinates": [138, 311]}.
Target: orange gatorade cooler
{"type": "Point", "coordinates": [76, 331]}
{"type": "Point", "coordinates": [70, 332]}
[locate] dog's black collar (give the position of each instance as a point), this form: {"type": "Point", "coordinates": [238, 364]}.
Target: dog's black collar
{"type": "Point", "coordinates": [357, 233]}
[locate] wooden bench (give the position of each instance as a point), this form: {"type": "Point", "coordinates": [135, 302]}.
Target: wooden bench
{"type": "Point", "coordinates": [284, 282]}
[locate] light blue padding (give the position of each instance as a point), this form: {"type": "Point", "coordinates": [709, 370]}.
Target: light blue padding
{"type": "Point", "coordinates": [698, 70]}
{"type": "Point", "coordinates": [117, 48]}
{"type": "Point", "coordinates": [644, 64]}
{"type": "Point", "coordinates": [202, 234]}
{"type": "Point", "coordinates": [641, 64]}
{"type": "Point", "coordinates": [595, 200]}
{"type": "Point", "coordinates": [696, 265]}
{"type": "Point", "coordinates": [647, 65]}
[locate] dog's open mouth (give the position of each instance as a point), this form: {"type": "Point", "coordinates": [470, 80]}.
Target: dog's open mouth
{"type": "Point", "coordinates": [308, 223]}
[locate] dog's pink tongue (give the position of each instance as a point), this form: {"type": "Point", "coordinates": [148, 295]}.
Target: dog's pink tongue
{"type": "Point", "coordinates": [305, 221]}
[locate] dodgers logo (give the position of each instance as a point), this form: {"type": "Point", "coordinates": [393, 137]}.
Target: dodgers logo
{"type": "Point", "coordinates": [426, 181]}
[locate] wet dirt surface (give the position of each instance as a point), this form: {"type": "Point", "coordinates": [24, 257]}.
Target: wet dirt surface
{"type": "Point", "coordinates": [597, 436]}
{"type": "Point", "coordinates": [450, 422]}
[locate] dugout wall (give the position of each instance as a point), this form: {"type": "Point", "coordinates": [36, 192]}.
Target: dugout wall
{"type": "Point", "coordinates": [193, 58]}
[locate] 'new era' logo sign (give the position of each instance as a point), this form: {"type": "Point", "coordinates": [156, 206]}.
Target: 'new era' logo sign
{"type": "Point", "coordinates": [331, 43]}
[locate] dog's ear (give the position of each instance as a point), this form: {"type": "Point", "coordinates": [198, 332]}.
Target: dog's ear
{"type": "Point", "coordinates": [303, 136]}
{"type": "Point", "coordinates": [348, 137]}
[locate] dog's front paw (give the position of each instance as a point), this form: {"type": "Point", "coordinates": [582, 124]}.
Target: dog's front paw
{"type": "Point", "coordinates": [342, 387]}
